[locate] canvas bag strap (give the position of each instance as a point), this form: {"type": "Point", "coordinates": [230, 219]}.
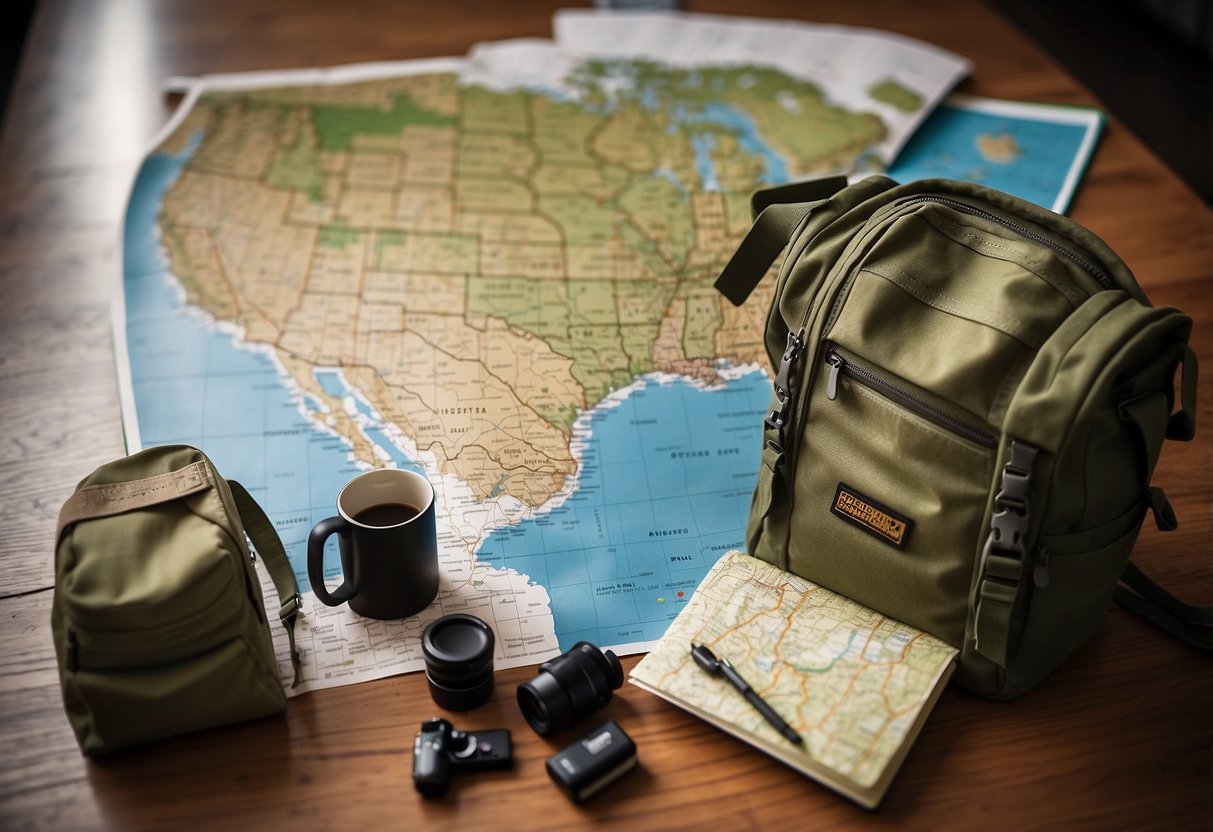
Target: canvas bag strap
{"type": "Point", "coordinates": [1141, 595]}
{"type": "Point", "coordinates": [778, 213]}
{"type": "Point", "coordinates": [1148, 413]}
{"type": "Point", "coordinates": [267, 543]}
{"type": "Point", "coordinates": [1137, 592]}
{"type": "Point", "coordinates": [109, 499]}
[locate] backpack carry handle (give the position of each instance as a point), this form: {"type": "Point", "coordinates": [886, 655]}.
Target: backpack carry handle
{"type": "Point", "coordinates": [812, 190]}
{"type": "Point", "coordinates": [778, 213]}
{"type": "Point", "coordinates": [108, 499]}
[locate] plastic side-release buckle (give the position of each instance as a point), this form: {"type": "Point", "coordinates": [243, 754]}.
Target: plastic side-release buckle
{"type": "Point", "coordinates": [784, 385]}
{"type": "Point", "coordinates": [1009, 525]}
{"type": "Point", "coordinates": [999, 579]}
{"type": "Point", "coordinates": [287, 613]}
{"type": "Point", "coordinates": [289, 609]}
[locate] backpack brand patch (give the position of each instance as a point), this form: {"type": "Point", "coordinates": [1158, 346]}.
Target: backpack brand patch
{"type": "Point", "coordinates": [877, 520]}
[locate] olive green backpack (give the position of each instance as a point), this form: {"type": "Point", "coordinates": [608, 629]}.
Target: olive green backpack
{"type": "Point", "coordinates": [158, 618]}
{"type": "Point", "coordinates": [970, 397]}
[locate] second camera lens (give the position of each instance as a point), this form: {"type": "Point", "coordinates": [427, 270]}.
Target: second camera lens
{"type": "Point", "coordinates": [569, 687]}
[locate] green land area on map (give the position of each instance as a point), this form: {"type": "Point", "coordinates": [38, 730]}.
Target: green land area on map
{"type": "Point", "coordinates": [483, 265]}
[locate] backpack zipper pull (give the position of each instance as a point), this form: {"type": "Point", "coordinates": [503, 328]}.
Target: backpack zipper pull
{"type": "Point", "coordinates": [1040, 574]}
{"type": "Point", "coordinates": [835, 362]}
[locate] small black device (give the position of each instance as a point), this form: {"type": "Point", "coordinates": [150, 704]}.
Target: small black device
{"type": "Point", "coordinates": [569, 687]}
{"type": "Point", "coordinates": [593, 762]}
{"type": "Point", "coordinates": [458, 651]}
{"type": "Point", "coordinates": [440, 749]}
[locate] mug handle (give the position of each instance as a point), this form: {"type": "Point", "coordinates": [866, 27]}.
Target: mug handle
{"type": "Point", "coordinates": [315, 561]}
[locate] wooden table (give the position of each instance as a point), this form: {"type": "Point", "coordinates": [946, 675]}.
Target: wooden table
{"type": "Point", "coordinates": [1120, 737]}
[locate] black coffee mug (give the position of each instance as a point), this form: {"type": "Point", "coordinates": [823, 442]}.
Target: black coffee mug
{"type": "Point", "coordinates": [388, 543]}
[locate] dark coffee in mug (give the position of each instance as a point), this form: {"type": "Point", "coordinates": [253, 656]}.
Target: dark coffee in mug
{"type": "Point", "coordinates": [387, 539]}
{"type": "Point", "coordinates": [387, 514]}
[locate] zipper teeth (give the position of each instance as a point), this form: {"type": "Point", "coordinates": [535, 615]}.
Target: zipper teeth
{"type": "Point", "coordinates": [1091, 268]}
{"type": "Point", "coordinates": [802, 395]}
{"type": "Point", "coordinates": [926, 408]}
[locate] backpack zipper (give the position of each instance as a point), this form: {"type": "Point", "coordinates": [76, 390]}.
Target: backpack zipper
{"type": "Point", "coordinates": [902, 393]}
{"type": "Point", "coordinates": [782, 416]}
{"type": "Point", "coordinates": [1090, 268]}
{"type": "Point", "coordinates": [964, 208]}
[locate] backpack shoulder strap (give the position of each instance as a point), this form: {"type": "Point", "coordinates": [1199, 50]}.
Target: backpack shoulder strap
{"type": "Point", "coordinates": [267, 543]}
{"type": "Point", "coordinates": [1140, 594]}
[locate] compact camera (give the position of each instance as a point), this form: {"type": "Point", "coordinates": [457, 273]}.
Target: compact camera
{"type": "Point", "coordinates": [440, 749]}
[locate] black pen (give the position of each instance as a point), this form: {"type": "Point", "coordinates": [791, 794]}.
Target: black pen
{"type": "Point", "coordinates": [706, 659]}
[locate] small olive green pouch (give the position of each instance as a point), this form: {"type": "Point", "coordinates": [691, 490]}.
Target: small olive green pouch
{"type": "Point", "coordinates": [158, 618]}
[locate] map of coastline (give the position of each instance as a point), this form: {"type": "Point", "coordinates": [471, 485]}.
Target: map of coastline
{"type": "Point", "coordinates": [507, 289]}
{"type": "Point", "coordinates": [1037, 152]}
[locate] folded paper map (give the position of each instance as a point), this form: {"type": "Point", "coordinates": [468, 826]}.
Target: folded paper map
{"type": "Point", "coordinates": [854, 684]}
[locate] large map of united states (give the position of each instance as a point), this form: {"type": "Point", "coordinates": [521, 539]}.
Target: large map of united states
{"type": "Point", "coordinates": [484, 265]}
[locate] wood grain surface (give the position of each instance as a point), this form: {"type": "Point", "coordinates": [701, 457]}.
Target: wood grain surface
{"type": "Point", "coordinates": [1120, 738]}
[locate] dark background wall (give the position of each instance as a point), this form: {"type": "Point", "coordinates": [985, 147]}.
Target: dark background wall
{"type": "Point", "coordinates": [1149, 61]}
{"type": "Point", "coordinates": [15, 16]}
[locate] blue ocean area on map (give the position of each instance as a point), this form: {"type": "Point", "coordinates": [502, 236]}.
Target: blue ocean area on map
{"type": "Point", "coordinates": [193, 385]}
{"type": "Point", "coordinates": [664, 489]}
{"type": "Point", "coordinates": [946, 145]}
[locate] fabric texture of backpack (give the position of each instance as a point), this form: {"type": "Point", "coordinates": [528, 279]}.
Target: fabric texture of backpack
{"type": "Point", "coordinates": [158, 618]}
{"type": "Point", "coordinates": [970, 397]}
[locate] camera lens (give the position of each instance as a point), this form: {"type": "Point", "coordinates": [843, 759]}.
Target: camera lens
{"type": "Point", "coordinates": [569, 687]}
{"type": "Point", "coordinates": [458, 650]}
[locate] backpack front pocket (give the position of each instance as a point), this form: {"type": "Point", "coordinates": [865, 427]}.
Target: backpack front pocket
{"type": "Point", "coordinates": [896, 485]}
{"type": "Point", "coordinates": [118, 707]}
